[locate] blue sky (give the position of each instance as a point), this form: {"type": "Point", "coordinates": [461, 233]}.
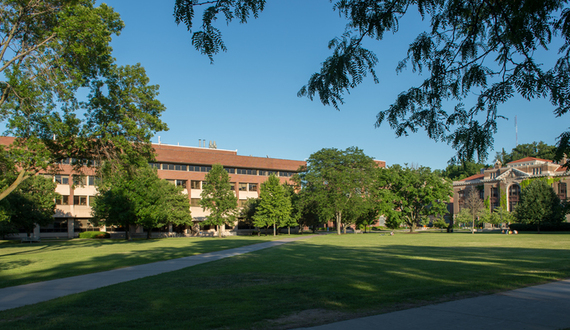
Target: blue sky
{"type": "Point", "coordinates": [247, 100]}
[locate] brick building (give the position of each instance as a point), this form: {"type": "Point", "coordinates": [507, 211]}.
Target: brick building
{"type": "Point", "coordinates": [506, 181]}
{"type": "Point", "coordinates": [183, 166]}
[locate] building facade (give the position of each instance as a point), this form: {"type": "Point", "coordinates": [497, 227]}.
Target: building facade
{"type": "Point", "coordinates": [180, 165]}
{"type": "Point", "coordinates": [502, 184]}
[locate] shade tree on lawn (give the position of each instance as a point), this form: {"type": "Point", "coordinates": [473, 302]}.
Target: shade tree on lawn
{"type": "Point", "coordinates": [218, 198]}
{"type": "Point", "coordinates": [539, 204]}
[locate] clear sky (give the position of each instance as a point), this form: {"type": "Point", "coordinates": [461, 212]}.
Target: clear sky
{"type": "Point", "coordinates": [247, 100]}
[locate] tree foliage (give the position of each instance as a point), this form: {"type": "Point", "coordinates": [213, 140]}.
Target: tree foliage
{"type": "Point", "coordinates": [137, 196]}
{"type": "Point", "coordinates": [416, 194]}
{"type": "Point", "coordinates": [52, 51]}
{"type": "Point", "coordinates": [460, 170]}
{"type": "Point", "coordinates": [218, 198]}
{"type": "Point", "coordinates": [274, 207]}
{"type": "Point", "coordinates": [474, 207]}
{"type": "Point", "coordinates": [31, 203]}
{"type": "Point", "coordinates": [482, 48]}
{"type": "Point", "coordinates": [536, 149]}
{"type": "Point", "coordinates": [539, 204]}
{"type": "Point", "coordinates": [335, 180]}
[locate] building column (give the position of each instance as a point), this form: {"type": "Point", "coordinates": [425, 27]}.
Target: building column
{"type": "Point", "coordinates": [70, 227]}
{"type": "Point", "coordinates": [36, 232]}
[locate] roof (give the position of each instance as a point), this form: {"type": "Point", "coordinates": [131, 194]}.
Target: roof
{"type": "Point", "coordinates": [474, 177]}
{"type": "Point", "coordinates": [527, 159]}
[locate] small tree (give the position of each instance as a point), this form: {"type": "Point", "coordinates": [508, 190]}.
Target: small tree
{"type": "Point", "coordinates": [539, 204]}
{"type": "Point", "coordinates": [474, 205]}
{"type": "Point", "coordinates": [274, 206]}
{"type": "Point", "coordinates": [219, 198]}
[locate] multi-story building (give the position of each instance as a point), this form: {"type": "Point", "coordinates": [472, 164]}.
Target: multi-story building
{"type": "Point", "coordinates": [504, 182]}
{"type": "Point", "coordinates": [183, 166]}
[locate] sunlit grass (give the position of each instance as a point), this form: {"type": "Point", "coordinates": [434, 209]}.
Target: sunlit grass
{"type": "Point", "coordinates": [26, 263]}
{"type": "Point", "coordinates": [326, 278]}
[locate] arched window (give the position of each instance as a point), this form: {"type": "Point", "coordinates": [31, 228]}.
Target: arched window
{"type": "Point", "coordinates": [514, 196]}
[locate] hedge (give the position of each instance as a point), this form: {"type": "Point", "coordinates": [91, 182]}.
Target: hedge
{"type": "Point", "coordinates": [94, 234]}
{"type": "Point", "coordinates": [565, 226]}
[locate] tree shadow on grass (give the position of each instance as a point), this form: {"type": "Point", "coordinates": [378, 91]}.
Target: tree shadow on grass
{"type": "Point", "coordinates": [251, 290]}
{"type": "Point", "coordinates": [107, 261]}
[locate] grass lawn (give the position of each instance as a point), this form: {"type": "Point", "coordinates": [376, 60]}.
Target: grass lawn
{"type": "Point", "coordinates": [22, 263]}
{"type": "Point", "coordinates": [318, 280]}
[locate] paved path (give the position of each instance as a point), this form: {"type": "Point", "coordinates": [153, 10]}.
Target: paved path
{"type": "Point", "coordinates": [17, 296]}
{"type": "Point", "coordinates": [538, 307]}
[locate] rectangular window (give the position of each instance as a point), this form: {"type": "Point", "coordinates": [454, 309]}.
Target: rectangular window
{"type": "Point", "coordinates": [168, 167]}
{"type": "Point", "coordinates": [285, 174]}
{"type": "Point", "coordinates": [94, 180]}
{"type": "Point", "coordinates": [246, 171]}
{"type": "Point", "coordinates": [242, 186]}
{"type": "Point", "coordinates": [233, 186]}
{"type": "Point", "coordinates": [205, 168]}
{"type": "Point", "coordinates": [79, 200]}
{"type": "Point", "coordinates": [180, 167]}
{"type": "Point", "coordinates": [62, 179]}
{"type": "Point", "coordinates": [181, 183]}
{"type": "Point", "coordinates": [195, 202]}
{"type": "Point", "coordinates": [62, 200]}
{"type": "Point", "coordinates": [79, 180]}
{"type": "Point", "coordinates": [262, 172]}
{"type": "Point", "coordinates": [253, 187]}
{"type": "Point", "coordinates": [194, 184]}
{"type": "Point", "coordinates": [230, 170]}
{"type": "Point", "coordinates": [155, 165]}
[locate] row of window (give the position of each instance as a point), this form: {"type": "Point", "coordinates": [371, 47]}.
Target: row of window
{"type": "Point", "coordinates": [77, 200]}
{"type": "Point", "coordinates": [230, 170]}
{"type": "Point", "coordinates": [194, 184]}
{"type": "Point", "coordinates": [78, 180]}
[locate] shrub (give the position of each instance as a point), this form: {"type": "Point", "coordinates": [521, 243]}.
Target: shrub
{"type": "Point", "coordinates": [94, 234]}
{"type": "Point", "coordinates": [565, 226]}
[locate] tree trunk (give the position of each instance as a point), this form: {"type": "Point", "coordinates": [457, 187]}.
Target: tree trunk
{"type": "Point", "coordinates": [538, 228]}
{"type": "Point", "coordinates": [288, 230]}
{"type": "Point", "coordinates": [148, 233]}
{"type": "Point", "coordinates": [338, 221]}
{"type": "Point", "coordinates": [21, 177]}
{"type": "Point", "coordinates": [473, 226]}
{"type": "Point", "coordinates": [219, 231]}
{"type": "Point", "coordinates": [127, 233]}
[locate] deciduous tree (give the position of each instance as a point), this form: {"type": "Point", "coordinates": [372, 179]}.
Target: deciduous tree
{"type": "Point", "coordinates": [539, 204]}
{"type": "Point", "coordinates": [219, 198]}
{"type": "Point", "coordinates": [476, 56]}
{"type": "Point", "coordinates": [417, 193]}
{"type": "Point", "coordinates": [335, 178]}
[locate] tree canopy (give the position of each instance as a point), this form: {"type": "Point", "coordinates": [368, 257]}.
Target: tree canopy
{"type": "Point", "coordinates": [218, 198]}
{"type": "Point", "coordinates": [336, 179]}
{"type": "Point", "coordinates": [539, 204]}
{"type": "Point", "coordinates": [456, 171]}
{"type": "Point", "coordinates": [535, 149]}
{"type": "Point", "coordinates": [137, 196]}
{"type": "Point", "coordinates": [274, 208]}
{"type": "Point", "coordinates": [475, 57]}
{"type": "Point", "coordinates": [416, 193]}
{"type": "Point", "coordinates": [51, 51]}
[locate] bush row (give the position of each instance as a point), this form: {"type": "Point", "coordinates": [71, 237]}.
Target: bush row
{"type": "Point", "coordinates": [94, 234]}
{"type": "Point", "coordinates": [565, 226]}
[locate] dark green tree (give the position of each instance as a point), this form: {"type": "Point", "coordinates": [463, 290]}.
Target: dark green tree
{"type": "Point", "coordinates": [535, 149]}
{"type": "Point", "coordinates": [483, 48]}
{"type": "Point", "coordinates": [219, 198]}
{"type": "Point", "coordinates": [539, 204]}
{"type": "Point", "coordinates": [456, 171]}
{"type": "Point", "coordinates": [137, 196]}
{"type": "Point", "coordinates": [274, 207]}
{"type": "Point", "coordinates": [334, 179]}
{"type": "Point", "coordinates": [31, 203]}
{"type": "Point", "coordinates": [417, 193]}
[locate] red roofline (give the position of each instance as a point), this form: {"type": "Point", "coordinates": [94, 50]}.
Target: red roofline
{"type": "Point", "coordinates": [473, 177]}
{"type": "Point", "coordinates": [526, 159]}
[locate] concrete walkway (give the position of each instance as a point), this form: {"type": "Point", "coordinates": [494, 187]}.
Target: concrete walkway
{"type": "Point", "coordinates": [17, 296]}
{"type": "Point", "coordinates": [544, 306]}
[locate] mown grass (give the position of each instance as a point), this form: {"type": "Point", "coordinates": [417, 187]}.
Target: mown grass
{"type": "Point", "coordinates": [23, 263]}
{"type": "Point", "coordinates": [318, 280]}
